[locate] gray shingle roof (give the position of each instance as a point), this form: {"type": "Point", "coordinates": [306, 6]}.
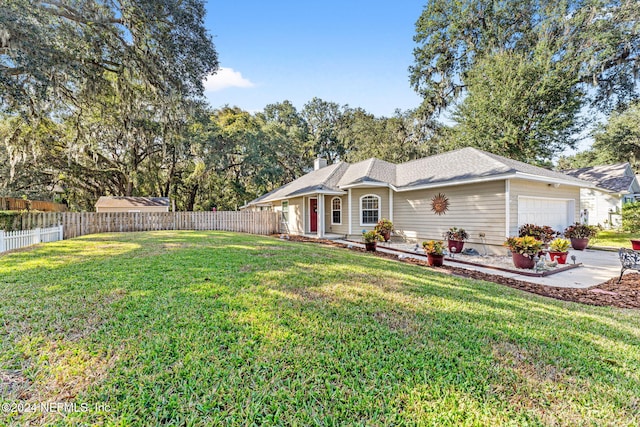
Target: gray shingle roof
{"type": "Point", "coordinates": [614, 178]}
{"type": "Point", "coordinates": [463, 164]}
{"type": "Point", "coordinates": [370, 170]}
{"type": "Point", "coordinates": [466, 164]}
{"type": "Point", "coordinates": [324, 179]}
{"type": "Point", "coordinates": [528, 169]}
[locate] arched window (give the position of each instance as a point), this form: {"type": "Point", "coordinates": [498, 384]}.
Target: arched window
{"type": "Point", "coordinates": [369, 209]}
{"type": "Point", "coordinates": [336, 211]}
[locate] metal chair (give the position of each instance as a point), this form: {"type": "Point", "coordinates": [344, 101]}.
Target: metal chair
{"type": "Point", "coordinates": [629, 259]}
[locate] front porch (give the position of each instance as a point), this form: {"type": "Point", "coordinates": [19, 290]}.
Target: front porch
{"type": "Point", "coordinates": [319, 218]}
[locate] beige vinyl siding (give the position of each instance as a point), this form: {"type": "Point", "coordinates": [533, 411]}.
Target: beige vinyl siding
{"type": "Point", "coordinates": [262, 208]}
{"type": "Point", "coordinates": [342, 228]}
{"type": "Point", "coordinates": [296, 220]}
{"type": "Point", "coordinates": [519, 187]}
{"type": "Point", "coordinates": [478, 208]}
{"type": "Point", "coordinates": [356, 194]}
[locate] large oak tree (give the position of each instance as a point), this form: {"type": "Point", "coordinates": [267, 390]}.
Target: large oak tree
{"type": "Point", "coordinates": [587, 49]}
{"type": "Point", "coordinates": [116, 79]}
{"type": "Point", "coordinates": [52, 53]}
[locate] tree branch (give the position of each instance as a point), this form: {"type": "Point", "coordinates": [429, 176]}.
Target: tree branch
{"type": "Point", "coordinates": [66, 11]}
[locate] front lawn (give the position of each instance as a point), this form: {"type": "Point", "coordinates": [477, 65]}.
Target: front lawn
{"type": "Point", "coordinates": [212, 328]}
{"type": "Point", "coordinates": [614, 239]}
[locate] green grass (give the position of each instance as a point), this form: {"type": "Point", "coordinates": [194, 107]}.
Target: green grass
{"type": "Point", "coordinates": [614, 239]}
{"type": "Point", "coordinates": [211, 328]}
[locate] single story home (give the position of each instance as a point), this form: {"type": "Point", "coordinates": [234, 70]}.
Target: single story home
{"type": "Point", "coordinates": [615, 186]}
{"type": "Point", "coordinates": [488, 195]}
{"type": "Point", "coordinates": [132, 204]}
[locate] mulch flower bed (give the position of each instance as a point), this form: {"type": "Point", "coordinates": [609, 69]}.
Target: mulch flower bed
{"type": "Point", "coordinates": [625, 294]}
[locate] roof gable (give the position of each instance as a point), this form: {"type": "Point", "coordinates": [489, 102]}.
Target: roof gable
{"type": "Point", "coordinates": [369, 171]}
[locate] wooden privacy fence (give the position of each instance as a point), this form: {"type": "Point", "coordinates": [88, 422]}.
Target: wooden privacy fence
{"type": "Point", "coordinates": [14, 204]}
{"type": "Point", "coordinates": [10, 240]}
{"type": "Point", "coordinates": [80, 223]}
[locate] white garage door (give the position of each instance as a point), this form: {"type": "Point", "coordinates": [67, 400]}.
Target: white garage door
{"type": "Point", "coordinates": [556, 213]}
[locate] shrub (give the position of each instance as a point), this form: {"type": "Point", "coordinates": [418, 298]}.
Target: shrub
{"type": "Point", "coordinates": [525, 245]}
{"type": "Point", "coordinates": [540, 232]}
{"type": "Point", "coordinates": [581, 231]}
{"type": "Point", "coordinates": [631, 217]}
{"type": "Point", "coordinates": [433, 247]}
{"type": "Point", "coordinates": [559, 245]}
{"type": "Point", "coordinates": [455, 233]}
{"type": "Point", "coordinates": [384, 226]}
{"type": "Point", "coordinates": [372, 236]}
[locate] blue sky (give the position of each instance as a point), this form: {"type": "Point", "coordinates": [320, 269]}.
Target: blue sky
{"type": "Point", "coordinates": [349, 52]}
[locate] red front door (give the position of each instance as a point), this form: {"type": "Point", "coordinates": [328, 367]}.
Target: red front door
{"type": "Point", "coordinates": [313, 215]}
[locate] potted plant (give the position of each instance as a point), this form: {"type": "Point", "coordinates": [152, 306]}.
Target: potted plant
{"type": "Point", "coordinates": [559, 249]}
{"type": "Point", "coordinates": [384, 227]}
{"type": "Point", "coordinates": [540, 232]}
{"type": "Point", "coordinates": [579, 234]}
{"type": "Point", "coordinates": [455, 239]}
{"type": "Point", "coordinates": [523, 249]}
{"type": "Point", "coordinates": [435, 252]}
{"type": "Point", "coordinates": [371, 238]}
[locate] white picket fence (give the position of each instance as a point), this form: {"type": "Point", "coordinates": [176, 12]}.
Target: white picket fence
{"type": "Point", "coordinates": [10, 240]}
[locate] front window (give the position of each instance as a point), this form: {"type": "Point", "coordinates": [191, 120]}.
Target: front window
{"type": "Point", "coordinates": [285, 211]}
{"type": "Point", "coordinates": [370, 209]}
{"type": "Point", "coordinates": [336, 211]}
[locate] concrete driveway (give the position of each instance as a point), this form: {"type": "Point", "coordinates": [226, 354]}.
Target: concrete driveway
{"type": "Point", "coordinates": [597, 267]}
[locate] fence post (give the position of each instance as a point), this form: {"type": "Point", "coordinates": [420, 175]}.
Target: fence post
{"type": "Point", "coordinates": [36, 236]}
{"type": "Point", "coordinates": [60, 232]}
{"type": "Point", "coordinates": [2, 244]}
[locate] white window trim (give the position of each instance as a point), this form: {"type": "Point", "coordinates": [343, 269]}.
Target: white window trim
{"type": "Point", "coordinates": [333, 210]}
{"type": "Point", "coordinates": [507, 207]}
{"type": "Point", "coordinates": [282, 203]}
{"type": "Point", "coordinates": [360, 208]}
{"type": "Point", "coordinates": [349, 213]}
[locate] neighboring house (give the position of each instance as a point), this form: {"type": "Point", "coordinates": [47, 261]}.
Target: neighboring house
{"type": "Point", "coordinates": [132, 204]}
{"type": "Point", "coordinates": [616, 185]}
{"type": "Point", "coordinates": [488, 195]}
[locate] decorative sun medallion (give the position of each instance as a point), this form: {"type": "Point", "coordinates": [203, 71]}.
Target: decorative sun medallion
{"type": "Point", "coordinates": [439, 204]}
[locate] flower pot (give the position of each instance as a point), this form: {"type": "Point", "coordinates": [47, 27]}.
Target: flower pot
{"type": "Point", "coordinates": [560, 257]}
{"type": "Point", "coordinates": [370, 246]}
{"type": "Point", "coordinates": [435, 260]}
{"type": "Point", "coordinates": [579, 244]}
{"type": "Point", "coordinates": [457, 244]}
{"type": "Point", "coordinates": [521, 261]}
{"type": "Point", "coordinates": [635, 244]}
{"type": "Point", "coordinates": [386, 236]}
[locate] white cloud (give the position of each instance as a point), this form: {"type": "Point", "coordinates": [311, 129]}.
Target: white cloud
{"type": "Point", "coordinates": [224, 78]}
